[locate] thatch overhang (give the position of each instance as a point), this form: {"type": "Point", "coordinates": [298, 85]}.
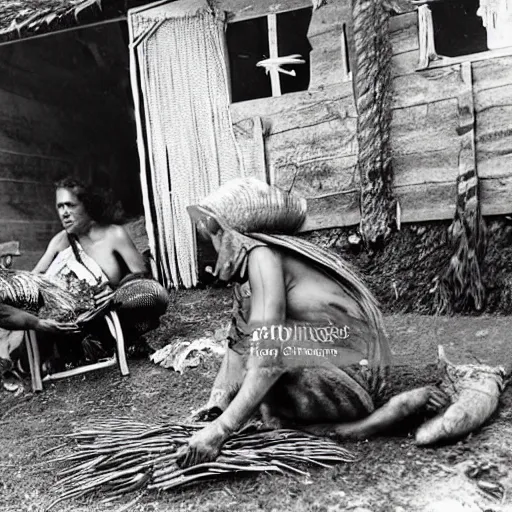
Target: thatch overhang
{"type": "Point", "coordinates": [20, 19]}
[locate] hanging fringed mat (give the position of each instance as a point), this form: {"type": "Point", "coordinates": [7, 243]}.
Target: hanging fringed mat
{"type": "Point", "coordinates": [461, 285]}
{"type": "Point", "coordinates": [118, 456]}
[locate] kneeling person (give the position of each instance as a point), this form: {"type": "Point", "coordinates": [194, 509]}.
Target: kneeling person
{"type": "Point", "coordinates": [286, 285]}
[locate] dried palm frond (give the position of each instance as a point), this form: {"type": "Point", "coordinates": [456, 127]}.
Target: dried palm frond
{"type": "Point", "coordinates": [31, 291]}
{"type": "Point", "coordinates": [118, 456]}
{"type": "Point", "coordinates": [48, 298]}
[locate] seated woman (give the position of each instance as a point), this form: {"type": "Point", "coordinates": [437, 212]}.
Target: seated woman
{"type": "Point", "coordinates": [95, 259]}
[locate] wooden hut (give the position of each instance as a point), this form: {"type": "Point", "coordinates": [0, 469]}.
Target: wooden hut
{"type": "Point", "coordinates": [310, 137]}
{"type": "Point", "coordinates": [66, 108]}
{"type": "Point", "coordinates": [399, 114]}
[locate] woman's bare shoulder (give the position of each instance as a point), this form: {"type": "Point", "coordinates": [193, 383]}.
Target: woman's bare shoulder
{"type": "Point", "coordinates": [59, 242]}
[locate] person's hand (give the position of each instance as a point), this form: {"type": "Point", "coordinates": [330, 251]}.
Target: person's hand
{"type": "Point", "coordinates": [53, 326]}
{"type": "Point", "coordinates": [203, 446]}
{"type": "Point", "coordinates": [103, 295]}
{"type": "Point", "coordinates": [438, 399]}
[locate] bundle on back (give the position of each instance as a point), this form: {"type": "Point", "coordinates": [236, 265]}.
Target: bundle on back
{"type": "Point", "coordinates": [118, 456]}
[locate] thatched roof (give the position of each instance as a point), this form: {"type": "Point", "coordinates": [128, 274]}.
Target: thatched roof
{"type": "Point", "coordinates": [25, 18]}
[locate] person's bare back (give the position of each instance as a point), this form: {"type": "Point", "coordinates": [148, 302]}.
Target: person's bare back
{"type": "Point", "coordinates": [312, 296]}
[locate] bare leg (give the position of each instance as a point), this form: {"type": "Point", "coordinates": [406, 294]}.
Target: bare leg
{"type": "Point", "coordinates": [397, 409]}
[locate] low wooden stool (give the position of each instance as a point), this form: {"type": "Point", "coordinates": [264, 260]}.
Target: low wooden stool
{"type": "Point", "coordinates": [118, 359]}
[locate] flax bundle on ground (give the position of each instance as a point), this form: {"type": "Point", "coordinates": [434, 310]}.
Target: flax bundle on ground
{"type": "Point", "coordinates": [119, 456]}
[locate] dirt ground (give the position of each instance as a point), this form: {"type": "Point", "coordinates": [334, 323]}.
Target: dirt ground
{"type": "Point", "coordinates": [392, 475]}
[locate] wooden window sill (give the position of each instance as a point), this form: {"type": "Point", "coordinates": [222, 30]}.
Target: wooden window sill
{"type": "Point", "coordinates": [441, 61]}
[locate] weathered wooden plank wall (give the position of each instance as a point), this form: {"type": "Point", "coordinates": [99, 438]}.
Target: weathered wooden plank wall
{"type": "Point", "coordinates": [324, 34]}
{"type": "Point", "coordinates": [427, 146]}
{"type": "Point", "coordinates": [309, 137]}
{"type": "Point", "coordinates": [55, 97]}
{"type": "Point", "coordinates": [309, 143]}
{"type": "Point", "coordinates": [492, 86]}
{"type": "Point", "coordinates": [424, 137]}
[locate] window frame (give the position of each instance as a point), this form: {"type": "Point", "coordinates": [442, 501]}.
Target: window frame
{"type": "Point", "coordinates": [428, 57]}
{"type": "Point", "coordinates": [275, 82]}
{"type": "Point", "coordinates": [273, 46]}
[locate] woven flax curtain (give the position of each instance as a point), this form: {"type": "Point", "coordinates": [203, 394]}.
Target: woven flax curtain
{"type": "Point", "coordinates": [186, 142]}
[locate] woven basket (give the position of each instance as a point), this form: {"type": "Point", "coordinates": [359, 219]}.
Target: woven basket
{"type": "Point", "coordinates": [249, 205]}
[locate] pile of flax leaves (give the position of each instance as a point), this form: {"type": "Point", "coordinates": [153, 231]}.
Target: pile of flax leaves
{"type": "Point", "coordinates": [118, 456]}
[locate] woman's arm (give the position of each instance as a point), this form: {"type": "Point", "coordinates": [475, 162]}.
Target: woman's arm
{"type": "Point", "coordinates": [14, 319]}
{"type": "Point", "coordinates": [58, 243]}
{"type": "Point", "coordinates": [268, 307]}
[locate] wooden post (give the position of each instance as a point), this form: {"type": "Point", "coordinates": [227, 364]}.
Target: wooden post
{"type": "Point", "coordinates": [141, 146]}
{"type": "Point", "coordinates": [346, 75]}
{"type": "Point", "coordinates": [426, 37]}
{"type": "Point", "coordinates": [274, 53]}
{"type": "Point", "coordinates": [259, 150]}
{"type": "Point", "coordinates": [466, 130]}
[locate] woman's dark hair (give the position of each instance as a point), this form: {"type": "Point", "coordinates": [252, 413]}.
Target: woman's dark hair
{"type": "Point", "coordinates": [98, 202]}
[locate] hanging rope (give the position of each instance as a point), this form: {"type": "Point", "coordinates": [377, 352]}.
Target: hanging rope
{"type": "Point", "coordinates": [373, 90]}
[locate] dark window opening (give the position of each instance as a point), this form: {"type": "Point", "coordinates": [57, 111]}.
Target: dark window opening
{"type": "Point", "coordinates": [248, 44]}
{"type": "Point", "coordinates": [292, 30]}
{"type": "Point", "coordinates": [457, 28]}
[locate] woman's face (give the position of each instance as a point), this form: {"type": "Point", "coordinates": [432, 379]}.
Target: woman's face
{"type": "Point", "coordinates": [75, 220]}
